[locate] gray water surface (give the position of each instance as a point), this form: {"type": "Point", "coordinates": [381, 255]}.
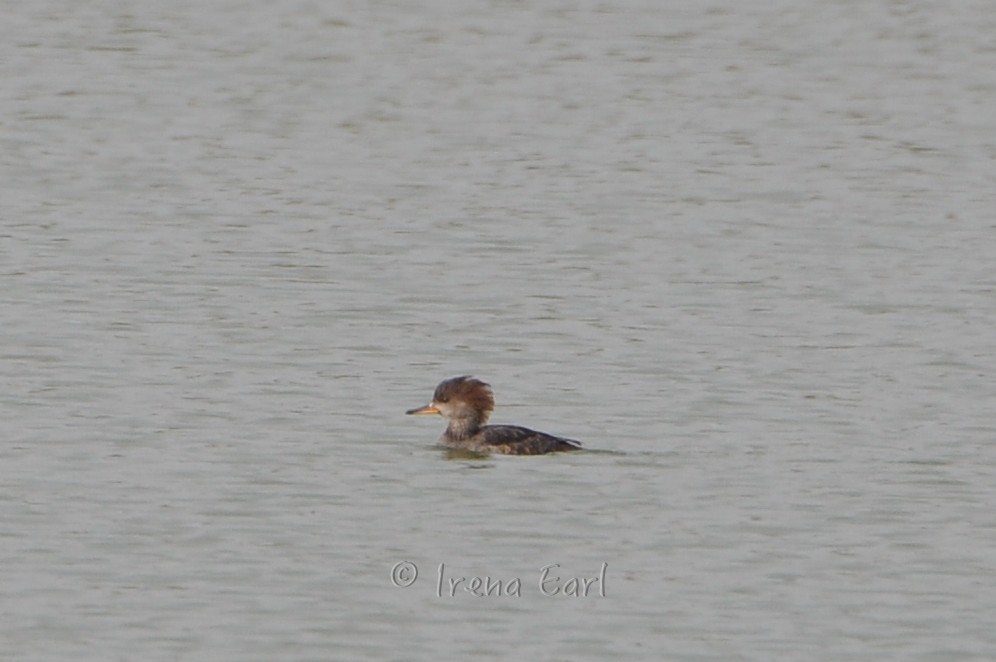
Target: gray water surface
{"type": "Point", "coordinates": [746, 254]}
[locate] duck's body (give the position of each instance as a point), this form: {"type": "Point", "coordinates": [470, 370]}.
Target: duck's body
{"type": "Point", "coordinates": [508, 439]}
{"type": "Point", "coordinates": [467, 403]}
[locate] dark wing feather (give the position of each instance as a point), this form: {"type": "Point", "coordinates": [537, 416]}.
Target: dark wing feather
{"type": "Point", "coordinates": [515, 440]}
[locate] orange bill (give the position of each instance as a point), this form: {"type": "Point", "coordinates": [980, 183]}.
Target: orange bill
{"type": "Point", "coordinates": [428, 409]}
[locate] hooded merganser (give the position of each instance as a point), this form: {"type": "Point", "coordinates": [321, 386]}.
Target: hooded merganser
{"type": "Point", "coordinates": [468, 403]}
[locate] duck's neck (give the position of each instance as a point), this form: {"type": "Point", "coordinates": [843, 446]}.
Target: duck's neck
{"type": "Point", "coordinates": [462, 428]}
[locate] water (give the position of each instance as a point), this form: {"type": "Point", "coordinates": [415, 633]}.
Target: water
{"type": "Point", "coordinates": [745, 254]}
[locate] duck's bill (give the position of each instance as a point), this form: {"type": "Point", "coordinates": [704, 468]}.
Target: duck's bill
{"type": "Point", "coordinates": [428, 409]}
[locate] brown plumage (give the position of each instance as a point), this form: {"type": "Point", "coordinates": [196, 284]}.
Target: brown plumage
{"type": "Point", "coordinates": [468, 403]}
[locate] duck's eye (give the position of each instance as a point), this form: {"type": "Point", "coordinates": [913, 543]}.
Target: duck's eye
{"type": "Point", "coordinates": [442, 400]}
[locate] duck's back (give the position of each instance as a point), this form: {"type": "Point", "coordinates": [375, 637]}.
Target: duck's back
{"type": "Point", "coordinates": [515, 440]}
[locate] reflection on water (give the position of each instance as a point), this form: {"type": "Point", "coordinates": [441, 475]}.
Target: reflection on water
{"type": "Point", "coordinates": [463, 454]}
